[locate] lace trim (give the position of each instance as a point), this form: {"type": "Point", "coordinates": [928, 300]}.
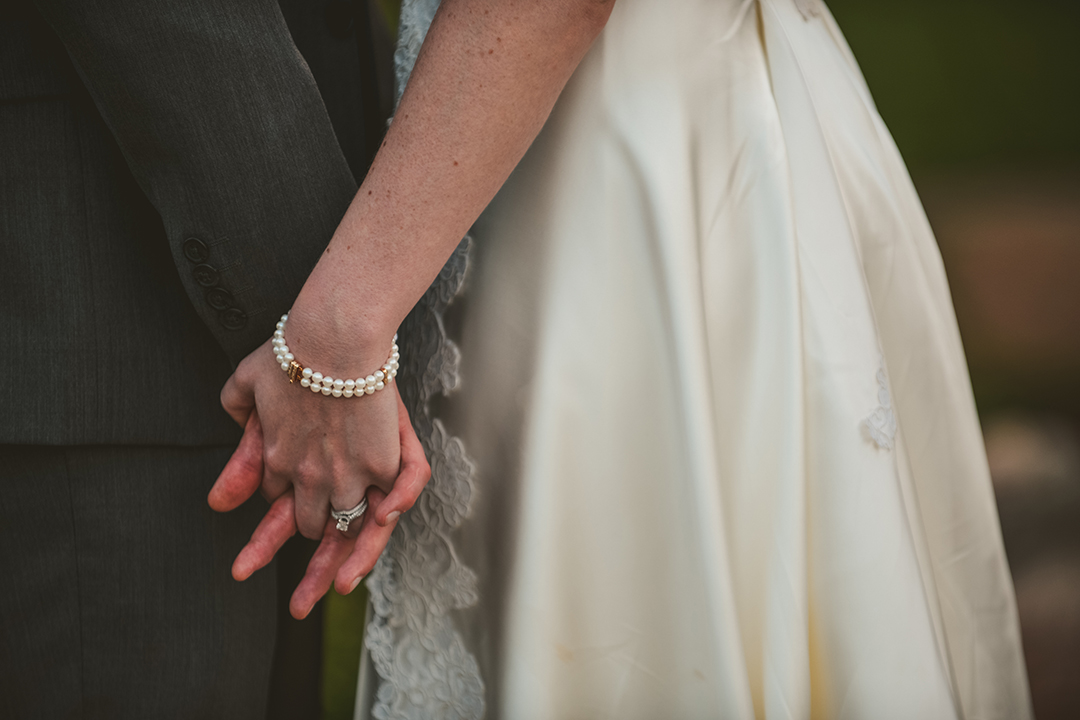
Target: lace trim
{"type": "Point", "coordinates": [425, 671]}
{"type": "Point", "coordinates": [880, 425]}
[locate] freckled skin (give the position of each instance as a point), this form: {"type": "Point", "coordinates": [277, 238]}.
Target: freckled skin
{"type": "Point", "coordinates": [460, 103]}
{"type": "Point", "coordinates": [406, 236]}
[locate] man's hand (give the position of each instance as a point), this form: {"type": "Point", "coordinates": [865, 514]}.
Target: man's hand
{"type": "Point", "coordinates": [342, 559]}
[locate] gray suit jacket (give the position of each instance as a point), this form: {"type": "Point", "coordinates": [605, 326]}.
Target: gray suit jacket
{"type": "Point", "coordinates": [170, 171]}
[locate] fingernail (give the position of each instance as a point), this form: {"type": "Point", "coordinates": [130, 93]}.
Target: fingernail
{"type": "Point", "coordinates": [355, 583]}
{"type": "Point", "coordinates": [392, 516]}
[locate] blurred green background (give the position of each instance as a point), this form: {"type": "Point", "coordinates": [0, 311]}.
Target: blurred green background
{"type": "Point", "coordinates": [983, 99]}
{"type": "Point", "coordinates": [972, 85]}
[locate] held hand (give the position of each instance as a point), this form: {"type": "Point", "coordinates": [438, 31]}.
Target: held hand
{"type": "Point", "coordinates": [327, 450]}
{"type": "Point", "coordinates": [344, 557]}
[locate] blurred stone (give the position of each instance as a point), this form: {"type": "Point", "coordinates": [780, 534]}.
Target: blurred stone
{"type": "Point", "coordinates": [1011, 246]}
{"type": "Point", "coordinates": [1031, 453]}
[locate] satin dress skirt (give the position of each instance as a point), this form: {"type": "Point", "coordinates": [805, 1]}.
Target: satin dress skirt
{"type": "Point", "coordinates": [729, 464]}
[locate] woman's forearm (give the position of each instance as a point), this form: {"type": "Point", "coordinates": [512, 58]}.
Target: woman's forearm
{"type": "Point", "coordinates": [486, 80]}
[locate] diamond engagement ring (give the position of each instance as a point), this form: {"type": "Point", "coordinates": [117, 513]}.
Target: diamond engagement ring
{"type": "Point", "coordinates": [344, 517]}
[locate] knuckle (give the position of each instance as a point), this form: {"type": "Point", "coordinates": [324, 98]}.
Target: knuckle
{"type": "Point", "coordinates": [382, 470]}
{"type": "Point", "coordinates": [274, 460]}
{"type": "Point", "coordinates": [306, 474]}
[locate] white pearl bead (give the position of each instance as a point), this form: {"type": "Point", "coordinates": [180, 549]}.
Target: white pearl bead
{"type": "Point", "coordinates": [325, 390]}
{"type": "Point", "coordinates": [370, 380]}
{"type": "Point", "coordinates": [379, 375]}
{"type": "Point", "coordinates": [328, 382]}
{"type": "Point", "coordinates": [347, 392]}
{"type": "Point", "coordinates": [307, 372]}
{"type": "Point", "coordinates": [279, 333]}
{"type": "Point", "coordinates": [315, 388]}
{"type": "Point", "coordinates": [284, 348]}
{"type": "Point", "coordinates": [369, 389]}
{"type": "Point", "coordinates": [289, 357]}
{"type": "Point", "coordinates": [350, 384]}
{"type": "Point", "coordinates": [304, 382]}
{"type": "Point", "coordinates": [379, 385]}
{"type": "Point", "coordinates": [285, 366]}
{"type": "Point", "coordinates": [316, 377]}
{"type": "Point", "coordinates": [336, 392]}
{"type": "Point", "coordinates": [339, 384]}
{"type": "Point", "coordinates": [395, 355]}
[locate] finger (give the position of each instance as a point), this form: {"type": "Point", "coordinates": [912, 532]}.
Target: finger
{"type": "Point", "coordinates": [332, 552]}
{"type": "Point", "coordinates": [238, 395]}
{"type": "Point", "coordinates": [414, 475]}
{"type": "Point", "coordinates": [242, 475]}
{"type": "Point", "coordinates": [312, 508]}
{"type": "Point", "coordinates": [277, 526]}
{"type": "Point", "coordinates": [369, 546]}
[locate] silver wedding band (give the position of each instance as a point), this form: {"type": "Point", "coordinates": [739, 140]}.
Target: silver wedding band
{"type": "Point", "coordinates": [344, 517]}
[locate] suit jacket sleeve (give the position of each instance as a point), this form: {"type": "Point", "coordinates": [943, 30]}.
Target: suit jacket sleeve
{"type": "Point", "coordinates": [223, 127]}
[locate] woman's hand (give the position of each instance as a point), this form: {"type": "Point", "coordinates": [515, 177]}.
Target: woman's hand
{"type": "Point", "coordinates": [342, 558]}
{"type": "Point", "coordinates": [327, 450]}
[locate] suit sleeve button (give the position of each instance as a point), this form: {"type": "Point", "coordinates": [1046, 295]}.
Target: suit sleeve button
{"type": "Point", "coordinates": [205, 275]}
{"type": "Point", "coordinates": [233, 319]}
{"type": "Point", "coordinates": [219, 298]}
{"type": "Point", "coordinates": [195, 250]}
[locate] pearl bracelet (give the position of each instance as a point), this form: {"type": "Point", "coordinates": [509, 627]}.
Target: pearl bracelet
{"type": "Point", "coordinates": [317, 382]}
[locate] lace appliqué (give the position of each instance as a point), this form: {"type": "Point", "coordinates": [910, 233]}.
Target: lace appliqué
{"type": "Point", "coordinates": [880, 425]}
{"type": "Point", "coordinates": [425, 670]}
{"type": "Point", "coordinates": [809, 8]}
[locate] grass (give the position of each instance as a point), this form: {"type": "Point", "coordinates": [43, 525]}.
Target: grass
{"type": "Point", "coordinates": [343, 639]}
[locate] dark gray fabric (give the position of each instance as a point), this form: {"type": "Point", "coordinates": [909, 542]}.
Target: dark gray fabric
{"type": "Point", "coordinates": [178, 121]}
{"type": "Point", "coordinates": [169, 174]}
{"type": "Point", "coordinates": [117, 601]}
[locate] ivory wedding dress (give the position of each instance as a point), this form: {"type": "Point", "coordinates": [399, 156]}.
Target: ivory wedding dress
{"type": "Point", "coordinates": [713, 422]}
